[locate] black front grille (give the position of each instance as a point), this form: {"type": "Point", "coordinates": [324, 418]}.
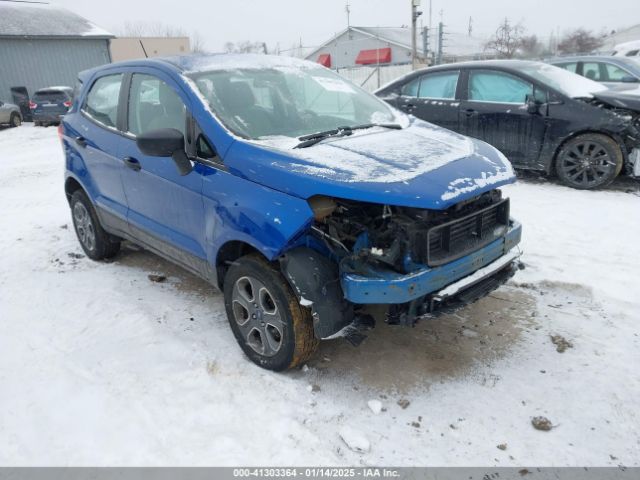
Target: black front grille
{"type": "Point", "coordinates": [452, 240]}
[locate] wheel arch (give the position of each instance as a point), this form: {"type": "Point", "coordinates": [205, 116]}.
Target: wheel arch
{"type": "Point", "coordinates": [228, 253]}
{"type": "Point", "coordinates": [551, 169]}
{"type": "Point", "coordinates": [71, 185]}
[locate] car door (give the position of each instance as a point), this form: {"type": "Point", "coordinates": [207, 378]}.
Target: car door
{"type": "Point", "coordinates": [495, 111]}
{"type": "Point", "coordinates": [165, 208]}
{"type": "Point", "coordinates": [95, 136]}
{"type": "Point", "coordinates": [432, 97]}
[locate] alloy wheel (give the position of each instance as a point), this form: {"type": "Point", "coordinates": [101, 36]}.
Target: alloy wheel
{"type": "Point", "coordinates": [587, 164]}
{"type": "Point", "coordinates": [257, 316]}
{"type": "Point", "coordinates": [84, 226]}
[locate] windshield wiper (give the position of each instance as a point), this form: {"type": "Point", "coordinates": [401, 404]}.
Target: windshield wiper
{"type": "Point", "coordinates": [314, 138]}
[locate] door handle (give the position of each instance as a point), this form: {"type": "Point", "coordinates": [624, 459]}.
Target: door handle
{"type": "Point", "coordinates": [470, 112]}
{"type": "Point", "coordinates": [133, 164]}
{"type": "Point", "coordinates": [81, 141]}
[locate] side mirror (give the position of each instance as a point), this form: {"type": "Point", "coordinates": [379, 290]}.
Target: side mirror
{"type": "Point", "coordinates": [629, 79]}
{"type": "Point", "coordinates": [533, 105]}
{"type": "Point", "coordinates": [166, 142]}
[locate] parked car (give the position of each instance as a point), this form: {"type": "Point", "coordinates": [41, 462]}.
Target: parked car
{"type": "Point", "coordinates": [10, 114]}
{"type": "Point", "coordinates": [614, 72]}
{"type": "Point", "coordinates": [49, 105]}
{"type": "Point", "coordinates": [299, 195]}
{"type": "Point", "coordinates": [627, 49]}
{"type": "Point", "coordinates": [540, 116]}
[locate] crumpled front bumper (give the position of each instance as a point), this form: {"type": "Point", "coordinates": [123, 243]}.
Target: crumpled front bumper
{"type": "Point", "coordinates": [386, 287]}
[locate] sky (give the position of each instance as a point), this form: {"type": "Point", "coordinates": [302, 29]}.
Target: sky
{"type": "Point", "coordinates": [284, 23]}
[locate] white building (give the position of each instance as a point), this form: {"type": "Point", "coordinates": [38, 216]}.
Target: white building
{"type": "Point", "coordinates": [372, 46]}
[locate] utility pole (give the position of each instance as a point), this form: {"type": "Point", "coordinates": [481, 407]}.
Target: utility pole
{"type": "Point", "coordinates": [347, 8]}
{"type": "Point", "coordinates": [414, 20]}
{"type": "Point", "coordinates": [440, 43]}
{"type": "Point", "coordinates": [425, 41]}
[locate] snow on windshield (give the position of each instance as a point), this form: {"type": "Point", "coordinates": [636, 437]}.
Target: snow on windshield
{"type": "Point", "coordinates": [566, 82]}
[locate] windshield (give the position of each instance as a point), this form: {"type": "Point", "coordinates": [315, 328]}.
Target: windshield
{"type": "Point", "coordinates": [287, 101]}
{"type": "Point", "coordinates": [566, 82]}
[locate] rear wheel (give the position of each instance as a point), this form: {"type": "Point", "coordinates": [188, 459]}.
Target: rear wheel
{"type": "Point", "coordinates": [95, 242]}
{"type": "Point", "coordinates": [269, 323]}
{"type": "Point", "coordinates": [589, 161]}
{"type": "Point", "coordinates": [15, 120]}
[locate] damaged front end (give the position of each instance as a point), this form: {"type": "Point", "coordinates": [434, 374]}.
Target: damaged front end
{"type": "Point", "coordinates": [415, 260]}
{"type": "Point", "coordinates": [626, 111]}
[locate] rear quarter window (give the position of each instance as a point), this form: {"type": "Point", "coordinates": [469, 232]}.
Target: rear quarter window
{"type": "Point", "coordinates": [102, 100]}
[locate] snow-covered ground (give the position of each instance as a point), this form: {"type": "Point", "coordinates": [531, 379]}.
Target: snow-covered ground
{"type": "Point", "coordinates": [101, 366]}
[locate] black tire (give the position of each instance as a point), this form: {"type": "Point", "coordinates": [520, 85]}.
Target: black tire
{"type": "Point", "coordinates": [37, 123]}
{"type": "Point", "coordinates": [96, 243]}
{"type": "Point", "coordinates": [270, 325]}
{"type": "Point", "coordinates": [588, 161]}
{"type": "Point", "coordinates": [15, 120]}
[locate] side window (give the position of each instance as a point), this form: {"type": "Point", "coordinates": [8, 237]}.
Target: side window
{"type": "Point", "coordinates": [615, 73]}
{"type": "Point", "coordinates": [411, 89]}
{"type": "Point", "coordinates": [591, 70]}
{"type": "Point", "coordinates": [439, 85]}
{"type": "Point", "coordinates": [102, 101]}
{"type": "Point", "coordinates": [498, 87]}
{"type": "Point", "coordinates": [154, 105]}
{"type": "Point", "coordinates": [540, 96]}
{"type": "Point", "coordinates": [571, 66]}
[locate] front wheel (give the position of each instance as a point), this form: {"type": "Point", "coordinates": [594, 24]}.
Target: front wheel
{"type": "Point", "coordinates": [95, 242]}
{"type": "Point", "coordinates": [589, 161]}
{"type": "Point", "coordinates": [15, 120]}
{"type": "Point", "coordinates": [269, 323]}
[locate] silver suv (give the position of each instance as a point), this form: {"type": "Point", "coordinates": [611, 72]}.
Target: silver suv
{"type": "Point", "coordinates": [10, 114]}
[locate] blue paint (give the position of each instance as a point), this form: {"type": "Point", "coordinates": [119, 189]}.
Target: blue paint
{"type": "Point", "coordinates": [253, 197]}
{"type": "Point", "coordinates": [385, 287]}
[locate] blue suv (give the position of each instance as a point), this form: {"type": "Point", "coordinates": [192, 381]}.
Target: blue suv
{"type": "Point", "coordinates": [299, 195]}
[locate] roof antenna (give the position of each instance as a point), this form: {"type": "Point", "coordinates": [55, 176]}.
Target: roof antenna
{"type": "Point", "coordinates": [143, 49]}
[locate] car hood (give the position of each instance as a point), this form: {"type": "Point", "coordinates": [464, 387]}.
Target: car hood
{"type": "Point", "coordinates": [422, 166]}
{"type": "Point", "coordinates": [628, 99]}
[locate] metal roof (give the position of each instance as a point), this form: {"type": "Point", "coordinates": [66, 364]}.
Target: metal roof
{"type": "Point", "coordinates": [454, 45]}
{"type": "Point", "coordinates": [39, 19]}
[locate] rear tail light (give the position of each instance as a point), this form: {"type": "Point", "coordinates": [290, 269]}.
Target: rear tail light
{"type": "Point", "coordinates": [33, 105]}
{"type": "Point", "coordinates": [67, 104]}
{"type": "Point", "coordinates": [60, 132]}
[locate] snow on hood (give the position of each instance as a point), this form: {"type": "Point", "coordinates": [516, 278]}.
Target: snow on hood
{"type": "Point", "coordinates": [628, 99]}
{"type": "Point", "coordinates": [377, 155]}
{"type": "Point", "coordinates": [422, 165]}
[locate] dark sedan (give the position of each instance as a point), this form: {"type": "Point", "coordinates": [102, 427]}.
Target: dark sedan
{"type": "Point", "coordinates": [540, 116]}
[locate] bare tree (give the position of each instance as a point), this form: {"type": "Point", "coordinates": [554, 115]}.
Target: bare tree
{"type": "Point", "coordinates": [507, 39]}
{"type": "Point", "coordinates": [158, 29]}
{"type": "Point", "coordinates": [580, 41]}
{"type": "Point", "coordinates": [530, 47]}
{"type": "Point", "coordinates": [151, 29]}
{"type": "Point", "coordinates": [197, 43]}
